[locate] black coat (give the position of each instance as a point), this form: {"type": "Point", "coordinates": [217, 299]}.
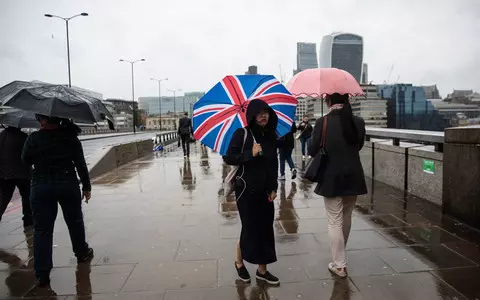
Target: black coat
{"type": "Point", "coordinates": [306, 130]}
{"type": "Point", "coordinates": [11, 144]}
{"type": "Point", "coordinates": [55, 154]}
{"type": "Point", "coordinates": [343, 174]}
{"type": "Point", "coordinates": [288, 141]}
{"type": "Point", "coordinates": [256, 177]}
{"type": "Point", "coordinates": [185, 126]}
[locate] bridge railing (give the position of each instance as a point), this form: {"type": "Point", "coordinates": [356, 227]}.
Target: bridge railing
{"type": "Point", "coordinates": [441, 167]}
{"type": "Point", "coordinates": [435, 138]}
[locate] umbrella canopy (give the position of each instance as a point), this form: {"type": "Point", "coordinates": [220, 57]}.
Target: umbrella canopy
{"type": "Point", "coordinates": [54, 101]}
{"type": "Point", "coordinates": [19, 119]}
{"type": "Point", "coordinates": [223, 109]}
{"type": "Point", "coordinates": [323, 81]}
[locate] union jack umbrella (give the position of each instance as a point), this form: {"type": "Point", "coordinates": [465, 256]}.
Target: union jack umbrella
{"type": "Point", "coordinates": [218, 114]}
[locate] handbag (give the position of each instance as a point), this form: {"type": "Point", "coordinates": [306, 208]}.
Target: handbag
{"type": "Point", "coordinates": [229, 181]}
{"type": "Point", "coordinates": [315, 166]}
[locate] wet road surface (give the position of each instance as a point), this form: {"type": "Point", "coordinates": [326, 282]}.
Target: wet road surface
{"type": "Point", "coordinates": [90, 146]}
{"type": "Point", "coordinates": [162, 230]}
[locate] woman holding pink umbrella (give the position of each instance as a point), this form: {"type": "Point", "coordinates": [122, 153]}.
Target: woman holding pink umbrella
{"type": "Point", "coordinates": [339, 136]}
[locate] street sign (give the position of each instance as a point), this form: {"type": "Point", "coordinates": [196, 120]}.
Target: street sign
{"type": "Point", "coordinates": [428, 166]}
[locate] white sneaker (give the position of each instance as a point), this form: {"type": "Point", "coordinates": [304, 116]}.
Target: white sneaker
{"type": "Point", "coordinates": [333, 268]}
{"type": "Point", "coordinates": [282, 178]}
{"type": "Point", "coordinates": [303, 157]}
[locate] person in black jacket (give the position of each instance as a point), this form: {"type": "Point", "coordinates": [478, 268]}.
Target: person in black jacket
{"type": "Point", "coordinates": [305, 135]}
{"type": "Point", "coordinates": [256, 188]}
{"type": "Point", "coordinates": [185, 130]}
{"type": "Point", "coordinates": [342, 178]}
{"type": "Point", "coordinates": [13, 173]}
{"type": "Point", "coordinates": [55, 152]}
{"type": "Point", "coordinates": [285, 149]}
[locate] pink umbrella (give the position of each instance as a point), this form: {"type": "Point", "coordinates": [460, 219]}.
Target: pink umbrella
{"type": "Point", "coordinates": [323, 81]}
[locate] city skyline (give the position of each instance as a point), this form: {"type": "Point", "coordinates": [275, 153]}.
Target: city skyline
{"type": "Point", "coordinates": [195, 54]}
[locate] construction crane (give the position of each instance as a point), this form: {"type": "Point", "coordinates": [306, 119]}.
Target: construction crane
{"type": "Point", "coordinates": [389, 75]}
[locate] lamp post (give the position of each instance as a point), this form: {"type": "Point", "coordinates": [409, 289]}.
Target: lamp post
{"type": "Point", "coordinates": [133, 88]}
{"type": "Point", "coordinates": [159, 99]}
{"type": "Point", "coordinates": [175, 105]}
{"type": "Point", "coordinates": [68, 40]}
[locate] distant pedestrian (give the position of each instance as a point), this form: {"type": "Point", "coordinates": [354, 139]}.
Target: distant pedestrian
{"type": "Point", "coordinates": [13, 173]}
{"type": "Point", "coordinates": [255, 189]}
{"type": "Point", "coordinates": [305, 134]}
{"type": "Point", "coordinates": [55, 152]}
{"type": "Point", "coordinates": [185, 131]}
{"type": "Point", "coordinates": [286, 144]}
{"type": "Point", "coordinates": [342, 178]}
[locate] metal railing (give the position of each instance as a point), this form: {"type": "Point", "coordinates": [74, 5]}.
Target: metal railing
{"type": "Point", "coordinates": [435, 138]}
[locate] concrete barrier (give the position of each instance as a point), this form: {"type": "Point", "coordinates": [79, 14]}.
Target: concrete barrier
{"type": "Point", "coordinates": [425, 174]}
{"type": "Point", "coordinates": [415, 168]}
{"type": "Point", "coordinates": [115, 156]}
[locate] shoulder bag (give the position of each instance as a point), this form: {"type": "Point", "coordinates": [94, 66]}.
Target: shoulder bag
{"type": "Point", "coordinates": [229, 182]}
{"type": "Point", "coordinates": [315, 166]}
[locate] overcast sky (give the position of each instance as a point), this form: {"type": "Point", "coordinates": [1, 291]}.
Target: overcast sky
{"type": "Point", "coordinates": [196, 42]}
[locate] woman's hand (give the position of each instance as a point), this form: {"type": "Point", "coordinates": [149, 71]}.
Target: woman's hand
{"type": "Point", "coordinates": [256, 149]}
{"type": "Point", "coordinates": [87, 195]}
{"type": "Point", "coordinates": [272, 196]}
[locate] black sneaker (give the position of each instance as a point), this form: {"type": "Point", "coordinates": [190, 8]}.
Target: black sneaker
{"type": "Point", "coordinates": [85, 258]}
{"type": "Point", "coordinates": [268, 277]}
{"type": "Point", "coordinates": [243, 273]}
{"type": "Point", "coordinates": [294, 174]}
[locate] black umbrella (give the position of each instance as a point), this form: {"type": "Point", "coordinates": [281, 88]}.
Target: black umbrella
{"type": "Point", "coordinates": [19, 119]}
{"type": "Point", "coordinates": [55, 101]}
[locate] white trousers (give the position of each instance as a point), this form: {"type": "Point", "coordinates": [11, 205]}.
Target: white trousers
{"type": "Point", "coordinates": [339, 211]}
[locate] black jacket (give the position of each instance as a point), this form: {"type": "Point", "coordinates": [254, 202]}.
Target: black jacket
{"type": "Point", "coordinates": [306, 130]}
{"type": "Point", "coordinates": [11, 143]}
{"type": "Point", "coordinates": [343, 174]}
{"type": "Point", "coordinates": [55, 154]}
{"type": "Point", "coordinates": [288, 141]}
{"type": "Point", "coordinates": [185, 126]}
{"type": "Point", "coordinates": [258, 174]}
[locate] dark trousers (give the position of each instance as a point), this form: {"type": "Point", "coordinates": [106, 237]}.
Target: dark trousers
{"type": "Point", "coordinates": [185, 144]}
{"type": "Point", "coordinates": [304, 142]}
{"type": "Point", "coordinates": [7, 188]}
{"type": "Point", "coordinates": [45, 199]}
{"type": "Point", "coordinates": [285, 156]}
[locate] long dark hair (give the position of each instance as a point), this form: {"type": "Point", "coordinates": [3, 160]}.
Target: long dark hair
{"type": "Point", "coordinates": [349, 129]}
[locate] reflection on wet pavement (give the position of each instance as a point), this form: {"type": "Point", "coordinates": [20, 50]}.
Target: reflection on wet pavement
{"type": "Point", "coordinates": [162, 229]}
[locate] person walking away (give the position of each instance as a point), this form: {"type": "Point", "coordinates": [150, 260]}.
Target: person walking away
{"type": "Point", "coordinates": [285, 150]}
{"type": "Point", "coordinates": [185, 130]}
{"type": "Point", "coordinates": [305, 135]}
{"type": "Point", "coordinates": [342, 178]}
{"type": "Point", "coordinates": [55, 152]}
{"type": "Point", "coordinates": [255, 189]}
{"type": "Point", "coordinates": [13, 173]}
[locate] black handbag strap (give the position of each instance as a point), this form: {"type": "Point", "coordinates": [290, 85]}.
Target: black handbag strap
{"type": "Point", "coordinates": [324, 133]}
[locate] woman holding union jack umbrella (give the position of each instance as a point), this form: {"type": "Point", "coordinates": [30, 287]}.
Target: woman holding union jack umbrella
{"type": "Point", "coordinates": [241, 118]}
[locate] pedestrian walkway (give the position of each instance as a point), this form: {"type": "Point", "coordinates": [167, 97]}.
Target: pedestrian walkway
{"type": "Point", "coordinates": [161, 230]}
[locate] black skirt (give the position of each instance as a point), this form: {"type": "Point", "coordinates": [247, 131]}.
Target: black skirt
{"type": "Point", "coordinates": [257, 240]}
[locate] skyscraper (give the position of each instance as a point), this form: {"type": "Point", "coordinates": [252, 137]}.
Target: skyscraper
{"type": "Point", "coordinates": [365, 74]}
{"type": "Point", "coordinates": [306, 57]}
{"type": "Point", "coordinates": [343, 51]}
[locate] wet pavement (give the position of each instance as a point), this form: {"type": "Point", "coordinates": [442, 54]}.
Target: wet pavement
{"type": "Point", "coordinates": [162, 230]}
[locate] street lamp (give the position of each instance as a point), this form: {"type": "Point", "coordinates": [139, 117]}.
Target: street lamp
{"type": "Point", "coordinates": [133, 88]}
{"type": "Point", "coordinates": [68, 40]}
{"type": "Point", "coordinates": [175, 105]}
{"type": "Point", "coordinates": [159, 98]}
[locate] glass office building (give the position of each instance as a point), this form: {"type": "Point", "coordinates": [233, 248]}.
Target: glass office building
{"type": "Point", "coordinates": [343, 51]}
{"type": "Point", "coordinates": [408, 108]}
